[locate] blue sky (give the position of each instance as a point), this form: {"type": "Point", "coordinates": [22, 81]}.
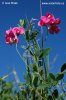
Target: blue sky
{"type": "Point", "coordinates": [10, 16]}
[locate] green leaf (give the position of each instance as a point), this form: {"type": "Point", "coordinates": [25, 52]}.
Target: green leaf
{"type": "Point", "coordinates": [55, 93]}
{"type": "Point", "coordinates": [28, 78]}
{"type": "Point", "coordinates": [40, 70]}
{"type": "Point", "coordinates": [27, 35]}
{"type": "Point", "coordinates": [8, 85]}
{"type": "Point", "coordinates": [33, 35]}
{"type": "Point", "coordinates": [49, 97]}
{"type": "Point", "coordinates": [35, 81]}
{"type": "Point", "coordinates": [44, 53]}
{"type": "Point", "coordinates": [34, 67]}
{"type": "Point", "coordinates": [41, 86]}
{"type": "Point", "coordinates": [35, 78]}
{"type": "Point", "coordinates": [63, 67]}
{"type": "Point", "coordinates": [36, 48]}
{"type": "Point", "coordinates": [59, 77]}
{"type": "Point", "coordinates": [22, 23]}
{"type": "Point", "coordinates": [0, 78]}
{"type": "Point", "coordinates": [44, 84]}
{"type": "Point", "coordinates": [52, 76]}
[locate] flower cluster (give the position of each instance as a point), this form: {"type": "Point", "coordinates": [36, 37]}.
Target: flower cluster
{"type": "Point", "coordinates": [50, 21]}
{"type": "Point", "coordinates": [13, 33]}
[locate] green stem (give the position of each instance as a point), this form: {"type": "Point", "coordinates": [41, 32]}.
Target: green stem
{"type": "Point", "coordinates": [43, 61]}
{"type": "Point", "coordinates": [21, 56]}
{"type": "Point", "coordinates": [27, 63]}
{"type": "Point", "coordinates": [41, 7]}
{"type": "Point", "coordinates": [41, 26]}
{"type": "Point", "coordinates": [64, 72]}
{"type": "Point", "coordinates": [19, 53]}
{"type": "Point", "coordinates": [47, 66]}
{"type": "Point", "coordinates": [34, 95]}
{"type": "Point", "coordinates": [46, 33]}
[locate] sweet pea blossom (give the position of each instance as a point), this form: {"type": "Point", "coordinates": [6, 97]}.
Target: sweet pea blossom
{"type": "Point", "coordinates": [57, 21]}
{"type": "Point", "coordinates": [50, 17]}
{"type": "Point", "coordinates": [18, 30]}
{"type": "Point", "coordinates": [53, 29]}
{"type": "Point", "coordinates": [44, 21]}
{"type": "Point", "coordinates": [11, 37]}
{"type": "Point", "coordinates": [13, 33]}
{"type": "Point", "coordinates": [50, 21]}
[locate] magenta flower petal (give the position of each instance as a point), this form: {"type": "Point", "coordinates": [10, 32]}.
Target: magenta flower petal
{"type": "Point", "coordinates": [57, 21]}
{"type": "Point", "coordinates": [53, 29]}
{"type": "Point", "coordinates": [50, 16]}
{"type": "Point", "coordinates": [49, 19]}
{"type": "Point", "coordinates": [11, 37]}
{"type": "Point", "coordinates": [18, 30]}
{"type": "Point", "coordinates": [45, 20]}
{"type": "Point", "coordinates": [40, 23]}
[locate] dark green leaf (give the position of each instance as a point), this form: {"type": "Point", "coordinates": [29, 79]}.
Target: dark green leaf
{"type": "Point", "coordinates": [33, 35]}
{"type": "Point", "coordinates": [49, 97]}
{"type": "Point", "coordinates": [40, 71]}
{"type": "Point", "coordinates": [35, 81]}
{"type": "Point", "coordinates": [33, 67]}
{"type": "Point", "coordinates": [28, 78]}
{"type": "Point", "coordinates": [55, 93]}
{"type": "Point", "coordinates": [27, 35]}
{"type": "Point", "coordinates": [44, 53]}
{"type": "Point", "coordinates": [52, 76]}
{"type": "Point", "coordinates": [63, 67]}
{"type": "Point", "coordinates": [59, 77]}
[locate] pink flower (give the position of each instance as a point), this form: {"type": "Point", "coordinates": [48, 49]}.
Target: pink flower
{"type": "Point", "coordinates": [51, 22]}
{"type": "Point", "coordinates": [12, 34]}
{"type": "Point", "coordinates": [53, 29]}
{"type": "Point", "coordinates": [40, 23]}
{"type": "Point", "coordinates": [49, 19]}
{"type": "Point", "coordinates": [11, 37]}
{"type": "Point", "coordinates": [44, 21]}
{"type": "Point", "coordinates": [50, 16]}
{"type": "Point", "coordinates": [57, 21]}
{"type": "Point", "coordinates": [18, 30]}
